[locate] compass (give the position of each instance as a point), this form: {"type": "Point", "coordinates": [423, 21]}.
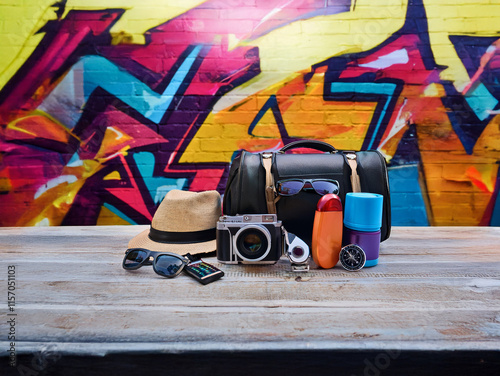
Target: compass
{"type": "Point", "coordinates": [352, 257]}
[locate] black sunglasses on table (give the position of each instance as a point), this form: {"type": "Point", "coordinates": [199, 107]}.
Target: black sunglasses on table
{"type": "Point", "coordinates": [170, 265]}
{"type": "Point", "coordinates": [165, 264]}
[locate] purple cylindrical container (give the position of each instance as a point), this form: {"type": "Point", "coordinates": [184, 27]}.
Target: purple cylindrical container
{"type": "Point", "coordinates": [368, 241]}
{"type": "Point", "coordinates": [362, 222]}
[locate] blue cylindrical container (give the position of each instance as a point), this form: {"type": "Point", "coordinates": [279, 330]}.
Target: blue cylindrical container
{"type": "Point", "coordinates": [363, 211]}
{"type": "Point", "coordinates": [362, 221]}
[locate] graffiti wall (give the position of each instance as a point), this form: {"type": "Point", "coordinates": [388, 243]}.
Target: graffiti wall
{"type": "Point", "coordinates": [105, 108]}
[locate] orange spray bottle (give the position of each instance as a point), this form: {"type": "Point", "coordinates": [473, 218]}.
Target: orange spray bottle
{"type": "Point", "coordinates": [327, 231]}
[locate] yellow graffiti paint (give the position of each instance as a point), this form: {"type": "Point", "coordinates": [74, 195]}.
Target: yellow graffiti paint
{"type": "Point", "coordinates": [458, 17]}
{"type": "Point", "coordinates": [39, 125]}
{"type": "Point", "coordinates": [19, 24]}
{"type": "Point", "coordinates": [304, 112]}
{"type": "Point", "coordinates": [52, 206]}
{"type": "Point", "coordinates": [434, 90]}
{"type": "Point", "coordinates": [114, 141]}
{"type": "Point", "coordinates": [115, 175]}
{"type": "Point", "coordinates": [107, 218]}
{"type": "Point", "coordinates": [55, 202]}
{"type": "Point", "coordinates": [483, 177]}
{"type": "Point", "coordinates": [307, 115]}
{"type": "Point", "coordinates": [299, 45]}
{"type": "Point", "coordinates": [459, 186]}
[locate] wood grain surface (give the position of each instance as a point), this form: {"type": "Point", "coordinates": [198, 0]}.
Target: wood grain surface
{"type": "Point", "coordinates": [435, 289]}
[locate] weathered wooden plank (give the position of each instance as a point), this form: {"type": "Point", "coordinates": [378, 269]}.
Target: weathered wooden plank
{"type": "Point", "coordinates": [434, 289]}
{"type": "Point", "coordinates": [216, 324]}
{"type": "Point", "coordinates": [385, 293]}
{"type": "Point", "coordinates": [407, 240]}
{"type": "Point", "coordinates": [111, 271]}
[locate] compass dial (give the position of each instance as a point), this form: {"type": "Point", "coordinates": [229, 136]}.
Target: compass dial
{"type": "Point", "coordinates": [352, 257]}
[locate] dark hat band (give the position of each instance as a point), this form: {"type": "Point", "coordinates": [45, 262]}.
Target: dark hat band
{"type": "Point", "coordinates": [160, 236]}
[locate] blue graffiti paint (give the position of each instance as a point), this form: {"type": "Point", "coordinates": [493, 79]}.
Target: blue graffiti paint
{"type": "Point", "coordinates": [271, 104]}
{"type": "Point", "coordinates": [481, 101]}
{"type": "Point", "coordinates": [119, 213]}
{"type": "Point", "coordinates": [386, 90]}
{"type": "Point", "coordinates": [75, 161]}
{"type": "Point", "coordinates": [67, 100]}
{"type": "Point", "coordinates": [103, 73]}
{"type": "Point", "coordinates": [158, 186]}
{"type": "Point", "coordinates": [407, 200]}
{"type": "Point", "coordinates": [467, 126]}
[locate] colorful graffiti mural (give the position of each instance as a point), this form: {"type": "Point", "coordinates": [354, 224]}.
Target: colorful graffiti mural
{"type": "Point", "coordinates": [104, 110]}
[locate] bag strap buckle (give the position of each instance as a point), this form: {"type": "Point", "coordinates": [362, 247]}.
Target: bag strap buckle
{"type": "Point", "coordinates": [353, 163]}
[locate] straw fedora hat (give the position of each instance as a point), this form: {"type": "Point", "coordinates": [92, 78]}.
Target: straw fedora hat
{"type": "Point", "coordinates": [183, 223]}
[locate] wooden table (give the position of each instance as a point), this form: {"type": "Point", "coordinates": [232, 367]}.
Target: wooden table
{"type": "Point", "coordinates": [432, 304]}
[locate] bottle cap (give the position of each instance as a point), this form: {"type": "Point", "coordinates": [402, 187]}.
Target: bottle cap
{"type": "Point", "coordinates": [363, 211]}
{"type": "Point", "coordinates": [329, 202]}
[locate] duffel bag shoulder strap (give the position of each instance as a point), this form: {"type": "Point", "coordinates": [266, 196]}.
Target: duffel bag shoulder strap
{"type": "Point", "coordinates": [267, 162]}
{"type": "Point", "coordinates": [325, 147]}
{"type": "Point", "coordinates": [311, 144]}
{"type": "Point", "coordinates": [353, 163]}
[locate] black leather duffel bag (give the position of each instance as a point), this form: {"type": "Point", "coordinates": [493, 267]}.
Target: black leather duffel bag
{"type": "Point", "coordinates": [251, 185]}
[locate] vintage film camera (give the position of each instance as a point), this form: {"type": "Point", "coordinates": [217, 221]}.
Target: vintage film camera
{"type": "Point", "coordinates": [249, 239]}
{"type": "Point", "coordinates": [259, 239]}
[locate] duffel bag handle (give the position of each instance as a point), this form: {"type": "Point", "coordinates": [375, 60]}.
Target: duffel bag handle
{"type": "Point", "coordinates": [310, 144]}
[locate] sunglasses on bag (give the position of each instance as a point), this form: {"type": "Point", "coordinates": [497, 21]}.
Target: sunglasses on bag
{"type": "Point", "coordinates": [292, 187]}
{"type": "Point", "coordinates": [165, 264]}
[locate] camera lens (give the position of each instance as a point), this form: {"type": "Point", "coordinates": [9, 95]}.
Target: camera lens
{"type": "Point", "coordinates": [252, 243]}
{"type": "Point", "coordinates": [298, 252]}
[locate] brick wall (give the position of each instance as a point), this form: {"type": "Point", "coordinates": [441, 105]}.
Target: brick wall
{"type": "Point", "coordinates": [105, 107]}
